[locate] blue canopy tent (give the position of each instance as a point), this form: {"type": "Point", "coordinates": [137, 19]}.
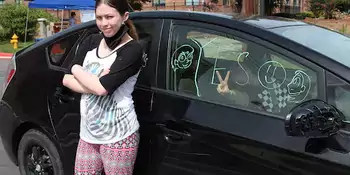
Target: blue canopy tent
{"type": "Point", "coordinates": [60, 5]}
{"type": "Point", "coordinates": [63, 4]}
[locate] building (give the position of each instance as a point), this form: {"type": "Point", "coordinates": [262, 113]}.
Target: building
{"type": "Point", "coordinates": [244, 7]}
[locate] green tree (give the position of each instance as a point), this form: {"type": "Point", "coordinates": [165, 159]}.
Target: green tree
{"type": "Point", "coordinates": [13, 20]}
{"type": "Point", "coordinates": [137, 4]}
{"type": "Point", "coordinates": [343, 5]}
{"type": "Point", "coordinates": [326, 8]}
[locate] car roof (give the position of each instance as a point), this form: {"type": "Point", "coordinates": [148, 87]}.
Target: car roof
{"type": "Point", "coordinates": [265, 22]}
{"type": "Point", "coordinates": [269, 22]}
{"type": "Point", "coordinates": [262, 22]}
{"type": "Point", "coordinates": [258, 26]}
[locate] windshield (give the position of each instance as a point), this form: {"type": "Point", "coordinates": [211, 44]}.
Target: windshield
{"type": "Point", "coordinates": [326, 42]}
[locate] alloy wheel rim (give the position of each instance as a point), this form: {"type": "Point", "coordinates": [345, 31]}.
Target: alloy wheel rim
{"type": "Point", "coordinates": [38, 161]}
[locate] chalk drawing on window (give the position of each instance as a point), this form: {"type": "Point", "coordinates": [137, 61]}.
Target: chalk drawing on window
{"type": "Point", "coordinates": [184, 59]}
{"type": "Point", "coordinates": [277, 98]}
{"type": "Point", "coordinates": [209, 42]}
{"type": "Point", "coordinates": [266, 98]}
{"type": "Point", "coordinates": [268, 73]}
{"type": "Point", "coordinates": [213, 82]}
{"type": "Point", "coordinates": [241, 56]}
{"type": "Point", "coordinates": [299, 87]}
{"type": "Point", "coordinates": [274, 100]}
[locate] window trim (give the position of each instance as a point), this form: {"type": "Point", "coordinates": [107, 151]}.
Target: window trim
{"type": "Point", "coordinates": [153, 55]}
{"type": "Point", "coordinates": [320, 72]}
{"type": "Point", "coordinates": [47, 50]}
{"type": "Point", "coordinates": [345, 130]}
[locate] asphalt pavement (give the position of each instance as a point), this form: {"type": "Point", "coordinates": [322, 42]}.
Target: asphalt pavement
{"type": "Point", "coordinates": [6, 166]}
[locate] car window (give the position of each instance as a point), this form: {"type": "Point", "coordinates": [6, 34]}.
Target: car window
{"type": "Point", "coordinates": [59, 50]}
{"type": "Point", "coordinates": [145, 29]}
{"type": "Point", "coordinates": [68, 50]}
{"type": "Point", "coordinates": [329, 43]}
{"type": "Point", "coordinates": [259, 79]}
{"type": "Point", "coordinates": [338, 94]}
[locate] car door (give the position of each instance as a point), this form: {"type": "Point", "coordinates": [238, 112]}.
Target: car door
{"type": "Point", "coordinates": [149, 31]}
{"type": "Point", "coordinates": [201, 131]}
{"type": "Point", "coordinates": [64, 104]}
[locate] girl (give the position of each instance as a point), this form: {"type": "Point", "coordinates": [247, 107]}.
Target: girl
{"type": "Point", "coordinates": [109, 135]}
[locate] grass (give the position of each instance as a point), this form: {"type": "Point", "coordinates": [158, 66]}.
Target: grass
{"type": "Point", "coordinates": [7, 47]}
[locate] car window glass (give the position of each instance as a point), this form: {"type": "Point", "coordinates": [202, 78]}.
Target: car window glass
{"type": "Point", "coordinates": [322, 40]}
{"type": "Point", "coordinates": [59, 50]}
{"type": "Point", "coordinates": [338, 94]}
{"type": "Point", "coordinates": [259, 79]}
{"type": "Point", "coordinates": [145, 29]}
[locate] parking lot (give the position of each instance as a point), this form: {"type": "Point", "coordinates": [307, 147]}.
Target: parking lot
{"type": "Point", "coordinates": [6, 166]}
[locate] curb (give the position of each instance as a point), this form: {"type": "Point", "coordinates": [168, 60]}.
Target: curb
{"type": "Point", "coordinates": [5, 58]}
{"type": "Point", "coordinates": [5, 55]}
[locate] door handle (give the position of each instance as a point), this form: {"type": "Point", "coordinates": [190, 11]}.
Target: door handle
{"type": "Point", "coordinates": [174, 133]}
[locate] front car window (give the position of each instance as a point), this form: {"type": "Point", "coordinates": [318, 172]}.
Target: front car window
{"type": "Point", "coordinates": [260, 79]}
{"type": "Point", "coordinates": [329, 43]}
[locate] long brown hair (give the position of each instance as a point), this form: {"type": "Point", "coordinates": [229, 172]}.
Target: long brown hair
{"type": "Point", "coordinates": [121, 6]}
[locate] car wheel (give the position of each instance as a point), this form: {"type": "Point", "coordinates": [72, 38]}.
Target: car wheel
{"type": "Point", "coordinates": [37, 155]}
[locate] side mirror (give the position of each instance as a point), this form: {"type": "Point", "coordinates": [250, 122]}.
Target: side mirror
{"type": "Point", "coordinates": [313, 118]}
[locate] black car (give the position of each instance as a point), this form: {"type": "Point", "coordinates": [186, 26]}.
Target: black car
{"type": "Point", "coordinates": [287, 111]}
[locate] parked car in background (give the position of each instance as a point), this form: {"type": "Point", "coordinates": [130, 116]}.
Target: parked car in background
{"type": "Point", "coordinates": [287, 110]}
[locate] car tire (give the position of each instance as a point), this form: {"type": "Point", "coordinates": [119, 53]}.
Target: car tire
{"type": "Point", "coordinates": [36, 151]}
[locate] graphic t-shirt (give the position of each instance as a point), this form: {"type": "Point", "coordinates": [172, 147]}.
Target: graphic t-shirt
{"type": "Point", "coordinates": [111, 118]}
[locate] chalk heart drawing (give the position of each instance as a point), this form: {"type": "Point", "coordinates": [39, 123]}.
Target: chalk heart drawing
{"type": "Point", "coordinates": [299, 87]}
{"type": "Point", "coordinates": [268, 73]}
{"type": "Point", "coordinates": [182, 60]}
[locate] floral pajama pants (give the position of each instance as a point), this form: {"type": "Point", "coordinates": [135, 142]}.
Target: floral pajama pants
{"type": "Point", "coordinates": [114, 159]}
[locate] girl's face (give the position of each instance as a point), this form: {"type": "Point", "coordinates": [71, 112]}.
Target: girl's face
{"type": "Point", "coordinates": [109, 20]}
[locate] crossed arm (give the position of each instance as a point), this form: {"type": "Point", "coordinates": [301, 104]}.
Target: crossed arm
{"type": "Point", "coordinates": [128, 64]}
{"type": "Point", "coordinates": [83, 82]}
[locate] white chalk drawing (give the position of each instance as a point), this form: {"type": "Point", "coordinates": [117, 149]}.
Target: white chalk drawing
{"type": "Point", "coordinates": [216, 68]}
{"type": "Point", "coordinates": [245, 54]}
{"type": "Point", "coordinates": [267, 102]}
{"type": "Point", "coordinates": [274, 100]}
{"type": "Point", "coordinates": [267, 74]}
{"type": "Point", "coordinates": [272, 77]}
{"type": "Point", "coordinates": [145, 59]}
{"type": "Point", "coordinates": [209, 42]}
{"type": "Point", "coordinates": [294, 92]}
{"type": "Point", "coordinates": [299, 87]}
{"type": "Point", "coordinates": [184, 58]}
{"type": "Point", "coordinates": [197, 68]}
{"type": "Point", "coordinates": [281, 95]}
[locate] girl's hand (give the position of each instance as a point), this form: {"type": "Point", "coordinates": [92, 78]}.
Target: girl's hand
{"type": "Point", "coordinates": [223, 86]}
{"type": "Point", "coordinates": [75, 68]}
{"type": "Point", "coordinates": [105, 72]}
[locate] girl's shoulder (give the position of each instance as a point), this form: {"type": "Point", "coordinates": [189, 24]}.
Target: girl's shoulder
{"type": "Point", "coordinates": [130, 46]}
{"type": "Point", "coordinates": [94, 40]}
